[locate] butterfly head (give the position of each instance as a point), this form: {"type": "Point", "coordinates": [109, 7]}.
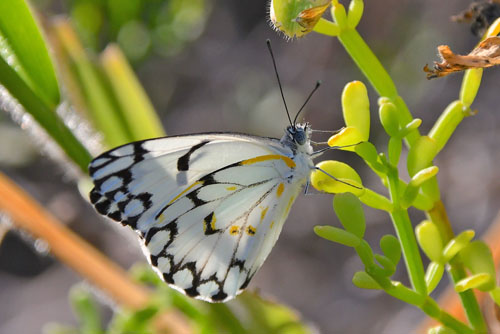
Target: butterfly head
{"type": "Point", "coordinates": [297, 137]}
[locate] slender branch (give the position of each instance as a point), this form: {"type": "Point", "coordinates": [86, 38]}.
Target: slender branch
{"type": "Point", "coordinates": [79, 255]}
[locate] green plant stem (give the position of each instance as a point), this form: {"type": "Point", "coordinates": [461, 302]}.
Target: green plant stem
{"type": "Point", "coordinates": [406, 237]}
{"type": "Point", "coordinates": [456, 270]}
{"type": "Point", "coordinates": [371, 67]}
{"type": "Point", "coordinates": [468, 299]}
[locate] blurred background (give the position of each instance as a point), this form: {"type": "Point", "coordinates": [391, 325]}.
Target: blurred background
{"type": "Point", "coordinates": [205, 66]}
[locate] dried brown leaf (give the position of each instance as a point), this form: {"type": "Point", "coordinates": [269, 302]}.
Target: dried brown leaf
{"type": "Point", "coordinates": [486, 54]}
{"type": "Point", "coordinates": [309, 17]}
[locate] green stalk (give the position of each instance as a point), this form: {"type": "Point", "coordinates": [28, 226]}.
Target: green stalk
{"type": "Point", "coordinates": [375, 72]}
{"type": "Point", "coordinates": [468, 299]}
{"type": "Point", "coordinates": [404, 230]}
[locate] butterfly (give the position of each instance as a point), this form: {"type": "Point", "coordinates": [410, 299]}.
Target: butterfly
{"type": "Point", "coordinates": [208, 208]}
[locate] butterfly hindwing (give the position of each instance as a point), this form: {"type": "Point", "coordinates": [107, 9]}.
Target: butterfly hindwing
{"type": "Point", "coordinates": [208, 207]}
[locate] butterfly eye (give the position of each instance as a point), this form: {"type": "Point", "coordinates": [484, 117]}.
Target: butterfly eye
{"type": "Point", "coordinates": [299, 137]}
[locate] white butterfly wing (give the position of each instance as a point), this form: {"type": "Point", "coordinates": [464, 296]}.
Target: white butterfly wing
{"type": "Point", "coordinates": [209, 207]}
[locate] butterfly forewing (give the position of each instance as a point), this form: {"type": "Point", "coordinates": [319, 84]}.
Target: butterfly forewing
{"type": "Point", "coordinates": [208, 207]}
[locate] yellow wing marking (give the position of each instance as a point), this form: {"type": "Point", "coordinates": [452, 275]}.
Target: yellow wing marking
{"type": "Point", "coordinates": [212, 224]}
{"type": "Point", "coordinates": [263, 213]}
{"type": "Point", "coordinates": [289, 204]}
{"type": "Point", "coordinates": [234, 230]}
{"type": "Point", "coordinates": [251, 230]}
{"type": "Point", "coordinates": [231, 188]}
{"type": "Point", "coordinates": [280, 189]}
{"type": "Point", "coordinates": [272, 224]}
{"type": "Point", "coordinates": [185, 191]}
{"type": "Point", "coordinates": [289, 162]}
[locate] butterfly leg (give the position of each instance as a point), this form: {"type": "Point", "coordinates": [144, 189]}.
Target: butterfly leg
{"type": "Point", "coordinates": [333, 177]}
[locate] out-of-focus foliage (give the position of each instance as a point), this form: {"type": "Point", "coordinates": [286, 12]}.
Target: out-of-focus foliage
{"type": "Point", "coordinates": [141, 28]}
{"type": "Point", "coordinates": [246, 314]}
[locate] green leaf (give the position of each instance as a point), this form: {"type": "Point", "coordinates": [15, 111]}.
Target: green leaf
{"type": "Point", "coordinates": [430, 240]}
{"type": "Point", "coordinates": [387, 264]}
{"type": "Point", "coordinates": [470, 85]}
{"type": "Point", "coordinates": [391, 247]}
{"type": "Point", "coordinates": [262, 316]}
{"type": "Point", "coordinates": [478, 281]}
{"type": "Point", "coordinates": [389, 118]}
{"type": "Point", "coordinates": [364, 281]}
{"type": "Point", "coordinates": [447, 123]}
{"type": "Point", "coordinates": [20, 31]}
{"type": "Point", "coordinates": [456, 244]}
{"type": "Point", "coordinates": [478, 258]}
{"type": "Point", "coordinates": [102, 108]}
{"type": "Point", "coordinates": [350, 213]}
{"type": "Point", "coordinates": [134, 105]}
{"type": "Point", "coordinates": [337, 235]}
{"type": "Point", "coordinates": [45, 116]}
{"type": "Point", "coordinates": [421, 154]}
{"type": "Point", "coordinates": [86, 310]}
{"type": "Point", "coordinates": [356, 107]}
{"type": "Point", "coordinates": [433, 275]}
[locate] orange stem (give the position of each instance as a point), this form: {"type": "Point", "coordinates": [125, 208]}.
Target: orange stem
{"type": "Point", "coordinates": [75, 252]}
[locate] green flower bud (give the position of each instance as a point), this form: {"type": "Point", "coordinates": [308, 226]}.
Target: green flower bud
{"type": "Point", "coordinates": [447, 123]}
{"type": "Point", "coordinates": [296, 18]}
{"type": "Point", "coordinates": [364, 281]}
{"type": "Point", "coordinates": [350, 213]}
{"type": "Point", "coordinates": [389, 118]}
{"type": "Point", "coordinates": [391, 247]}
{"type": "Point", "coordinates": [456, 244]}
{"type": "Point", "coordinates": [430, 240]}
{"type": "Point", "coordinates": [356, 108]}
{"type": "Point", "coordinates": [433, 275]}
{"type": "Point", "coordinates": [347, 178]}
{"type": "Point", "coordinates": [337, 235]}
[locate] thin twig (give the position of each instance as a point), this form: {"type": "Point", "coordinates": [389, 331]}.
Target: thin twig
{"type": "Point", "coordinates": [68, 247]}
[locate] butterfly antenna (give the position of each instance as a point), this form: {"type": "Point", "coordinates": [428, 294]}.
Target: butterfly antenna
{"type": "Point", "coordinates": [279, 82]}
{"type": "Point", "coordinates": [318, 83]}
